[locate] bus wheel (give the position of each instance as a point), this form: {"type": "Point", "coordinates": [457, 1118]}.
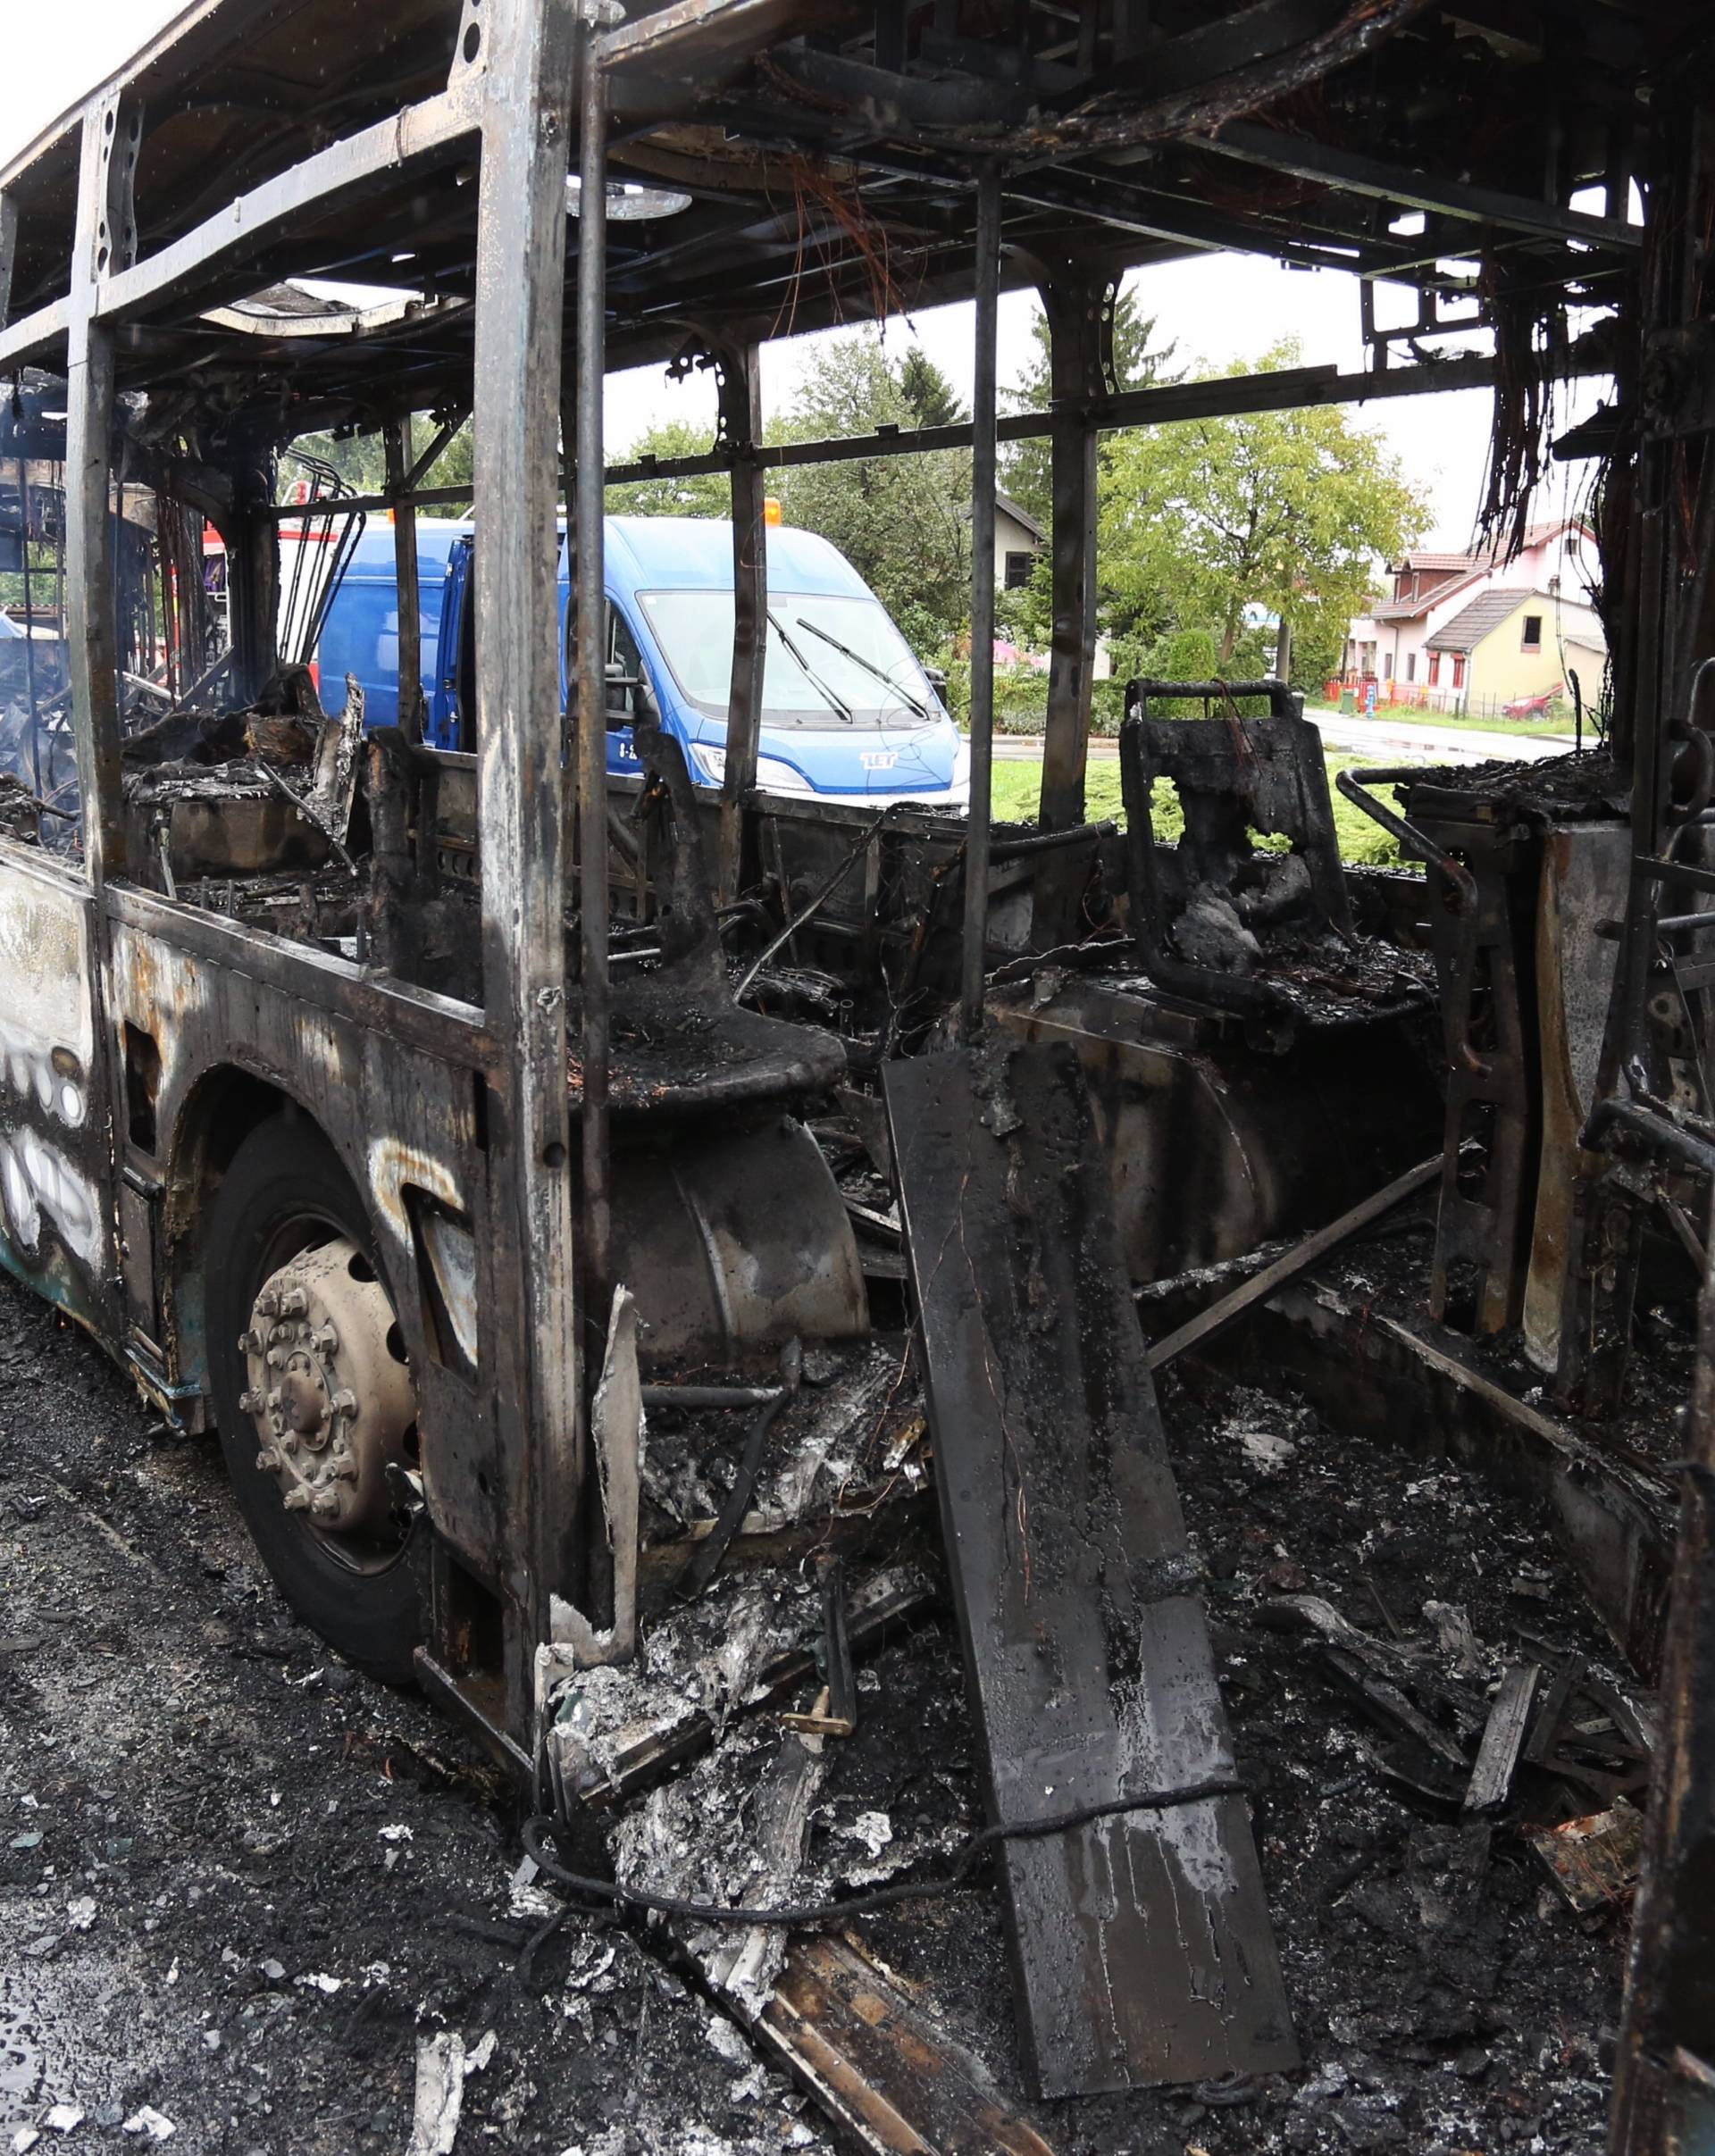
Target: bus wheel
{"type": "Point", "coordinates": [313, 1392]}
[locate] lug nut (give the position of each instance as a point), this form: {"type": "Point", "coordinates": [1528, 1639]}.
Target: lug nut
{"type": "Point", "coordinates": [250, 1403]}
{"type": "Point", "coordinates": [325, 1341]}
{"type": "Point", "coordinates": [267, 1304]}
{"type": "Point", "coordinates": [249, 1343]}
{"type": "Point", "coordinates": [293, 1303]}
{"type": "Point", "coordinates": [345, 1402]}
{"type": "Point", "coordinates": [289, 1438]}
{"type": "Point", "coordinates": [275, 1359]}
{"type": "Point", "coordinates": [298, 1498]}
{"type": "Point", "coordinates": [324, 1506]}
{"type": "Point", "coordinates": [267, 1463]}
{"type": "Point", "coordinates": [345, 1468]}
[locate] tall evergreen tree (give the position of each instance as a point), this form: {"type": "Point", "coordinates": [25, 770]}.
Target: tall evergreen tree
{"type": "Point", "coordinates": [902, 521]}
{"type": "Point", "coordinates": [1138, 365]}
{"type": "Point", "coordinates": [927, 390]}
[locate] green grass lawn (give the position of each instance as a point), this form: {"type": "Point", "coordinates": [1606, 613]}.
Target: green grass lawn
{"type": "Point", "coordinates": [1017, 787]}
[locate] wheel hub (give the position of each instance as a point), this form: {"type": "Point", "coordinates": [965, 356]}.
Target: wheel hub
{"type": "Point", "coordinates": [330, 1398]}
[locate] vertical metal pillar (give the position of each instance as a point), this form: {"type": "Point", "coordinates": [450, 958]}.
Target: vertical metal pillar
{"type": "Point", "coordinates": [8, 252]}
{"type": "Point", "coordinates": [529, 57]}
{"type": "Point", "coordinates": [740, 383]}
{"type": "Point", "coordinates": [29, 629]}
{"type": "Point", "coordinates": [106, 241]}
{"type": "Point", "coordinates": [591, 600]}
{"type": "Point", "coordinates": [983, 485]}
{"type": "Point", "coordinates": [1664, 2084]}
{"type": "Point", "coordinates": [395, 438]}
{"type": "Point", "coordinates": [1080, 369]}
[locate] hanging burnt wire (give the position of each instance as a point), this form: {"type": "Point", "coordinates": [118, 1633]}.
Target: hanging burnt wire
{"type": "Point", "coordinates": [1530, 361]}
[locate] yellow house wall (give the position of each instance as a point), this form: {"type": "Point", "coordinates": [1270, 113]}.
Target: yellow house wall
{"type": "Point", "coordinates": [1500, 670]}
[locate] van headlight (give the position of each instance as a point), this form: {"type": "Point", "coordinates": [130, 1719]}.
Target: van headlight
{"type": "Point", "coordinates": [774, 774]}
{"type": "Point", "coordinates": [960, 787]}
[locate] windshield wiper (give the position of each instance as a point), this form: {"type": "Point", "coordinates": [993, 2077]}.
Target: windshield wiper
{"type": "Point", "coordinates": [835, 703]}
{"type": "Point", "coordinates": [868, 665]}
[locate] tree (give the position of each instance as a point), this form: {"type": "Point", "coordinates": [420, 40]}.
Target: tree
{"type": "Point", "coordinates": [710, 493]}
{"type": "Point", "coordinates": [904, 522]}
{"type": "Point", "coordinates": [1282, 511]}
{"type": "Point", "coordinates": [1137, 366]}
{"type": "Point", "coordinates": [927, 390]}
{"type": "Point", "coordinates": [361, 461]}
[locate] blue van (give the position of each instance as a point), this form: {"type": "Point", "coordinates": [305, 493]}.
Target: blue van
{"type": "Point", "coordinates": [848, 712]}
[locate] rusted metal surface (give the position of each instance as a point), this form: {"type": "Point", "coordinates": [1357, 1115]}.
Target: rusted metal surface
{"type": "Point", "coordinates": [898, 2086]}
{"type": "Point", "coordinates": [527, 91]}
{"type": "Point", "coordinates": [1664, 2093]}
{"type": "Point", "coordinates": [1141, 1942]}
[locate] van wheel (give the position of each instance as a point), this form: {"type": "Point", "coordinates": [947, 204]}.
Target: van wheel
{"type": "Point", "coordinates": [313, 1392]}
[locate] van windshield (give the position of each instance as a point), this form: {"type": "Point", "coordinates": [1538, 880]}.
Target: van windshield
{"type": "Point", "coordinates": [809, 681]}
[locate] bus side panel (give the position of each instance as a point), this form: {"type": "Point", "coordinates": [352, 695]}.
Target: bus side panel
{"type": "Point", "coordinates": [55, 1233]}
{"type": "Point", "coordinates": [404, 1122]}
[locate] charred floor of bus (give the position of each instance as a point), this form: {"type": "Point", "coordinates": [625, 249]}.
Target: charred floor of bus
{"type": "Point", "coordinates": [242, 1886]}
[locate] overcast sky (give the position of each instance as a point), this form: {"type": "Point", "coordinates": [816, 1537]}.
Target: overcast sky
{"type": "Point", "coordinates": [1215, 308]}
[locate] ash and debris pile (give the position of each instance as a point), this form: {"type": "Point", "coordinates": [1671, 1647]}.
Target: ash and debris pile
{"type": "Point", "coordinates": [351, 1893]}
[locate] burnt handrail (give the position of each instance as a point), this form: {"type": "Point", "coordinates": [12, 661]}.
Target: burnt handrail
{"type": "Point", "coordinates": [1420, 842]}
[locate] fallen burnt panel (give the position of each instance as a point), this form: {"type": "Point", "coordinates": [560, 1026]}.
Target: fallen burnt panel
{"type": "Point", "coordinates": [1141, 1935]}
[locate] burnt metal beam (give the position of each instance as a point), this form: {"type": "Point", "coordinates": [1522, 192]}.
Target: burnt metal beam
{"type": "Point", "coordinates": [30, 339]}
{"type": "Point", "coordinates": [1664, 2092]}
{"type": "Point", "coordinates": [1299, 158]}
{"type": "Point", "coordinates": [1209, 1325]}
{"type": "Point", "coordinates": [396, 442]}
{"type": "Point", "coordinates": [1288, 389]}
{"type": "Point", "coordinates": [984, 401]}
{"type": "Point", "coordinates": [1081, 373]}
{"type": "Point", "coordinates": [740, 372]}
{"type": "Point", "coordinates": [106, 237]}
{"type": "Point", "coordinates": [526, 99]}
{"type": "Point", "coordinates": [1195, 225]}
{"type": "Point", "coordinates": [697, 34]}
{"type": "Point", "coordinates": [588, 505]}
{"type": "Point", "coordinates": [8, 252]}
{"type": "Point", "coordinates": [362, 165]}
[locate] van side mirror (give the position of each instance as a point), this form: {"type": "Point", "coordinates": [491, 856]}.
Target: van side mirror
{"type": "Point", "coordinates": [936, 677]}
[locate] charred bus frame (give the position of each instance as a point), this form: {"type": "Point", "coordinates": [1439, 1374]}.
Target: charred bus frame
{"type": "Point", "coordinates": [190, 1030]}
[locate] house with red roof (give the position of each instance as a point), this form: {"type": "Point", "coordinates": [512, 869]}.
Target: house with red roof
{"type": "Point", "coordinates": [1470, 632]}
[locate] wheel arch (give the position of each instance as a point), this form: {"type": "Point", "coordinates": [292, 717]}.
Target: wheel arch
{"type": "Point", "coordinates": [224, 1104]}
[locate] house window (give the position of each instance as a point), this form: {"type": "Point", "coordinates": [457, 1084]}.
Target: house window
{"type": "Point", "coordinates": [1435, 670]}
{"type": "Point", "coordinates": [1410, 665]}
{"type": "Point", "coordinates": [1572, 543]}
{"type": "Point", "coordinates": [1458, 670]}
{"type": "Point", "coordinates": [1018, 568]}
{"type": "Point", "coordinates": [1532, 632]}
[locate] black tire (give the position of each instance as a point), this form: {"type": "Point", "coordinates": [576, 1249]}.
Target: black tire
{"type": "Point", "coordinates": [284, 1192]}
